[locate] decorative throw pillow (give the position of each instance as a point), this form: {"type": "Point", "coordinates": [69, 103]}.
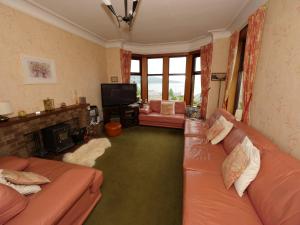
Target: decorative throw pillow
{"type": "Point", "coordinates": [26, 178]}
{"type": "Point", "coordinates": [251, 170]}
{"type": "Point", "coordinates": [12, 203]}
{"type": "Point", "coordinates": [22, 189]}
{"type": "Point", "coordinates": [216, 129]}
{"type": "Point", "coordinates": [227, 128]}
{"type": "Point", "coordinates": [167, 108]}
{"type": "Point", "coordinates": [234, 165]}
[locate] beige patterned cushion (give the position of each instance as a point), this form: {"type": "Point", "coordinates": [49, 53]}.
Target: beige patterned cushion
{"type": "Point", "coordinates": [25, 178]}
{"type": "Point", "coordinates": [22, 189]}
{"type": "Point", "coordinates": [167, 108]}
{"type": "Point", "coordinates": [234, 165]}
{"type": "Point", "coordinates": [216, 129]}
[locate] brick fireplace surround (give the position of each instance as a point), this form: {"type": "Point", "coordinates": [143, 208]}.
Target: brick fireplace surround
{"type": "Point", "coordinates": [16, 135]}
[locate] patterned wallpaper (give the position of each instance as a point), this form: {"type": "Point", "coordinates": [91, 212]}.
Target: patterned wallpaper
{"type": "Point", "coordinates": [80, 64]}
{"type": "Point", "coordinates": [275, 109]}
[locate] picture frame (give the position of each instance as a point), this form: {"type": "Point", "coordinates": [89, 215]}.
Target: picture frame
{"type": "Point", "coordinates": [114, 79]}
{"type": "Point", "coordinates": [38, 70]}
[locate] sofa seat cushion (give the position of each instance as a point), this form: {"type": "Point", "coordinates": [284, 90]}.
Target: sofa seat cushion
{"type": "Point", "coordinates": [275, 193]}
{"type": "Point", "coordinates": [56, 198]}
{"type": "Point", "coordinates": [199, 156]}
{"type": "Point", "coordinates": [207, 202]}
{"type": "Point", "coordinates": [195, 128]}
{"type": "Point", "coordinates": [157, 117]}
{"type": "Point", "coordinates": [13, 163]}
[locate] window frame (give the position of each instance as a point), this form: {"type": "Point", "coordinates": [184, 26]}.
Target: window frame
{"type": "Point", "coordinates": [178, 74]}
{"type": "Point", "coordinates": [140, 60]}
{"type": "Point", "coordinates": [138, 74]}
{"type": "Point", "coordinates": [157, 74]}
{"type": "Point", "coordinates": [194, 73]}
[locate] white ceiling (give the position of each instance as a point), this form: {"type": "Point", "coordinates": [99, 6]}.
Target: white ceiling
{"type": "Point", "coordinates": [157, 21]}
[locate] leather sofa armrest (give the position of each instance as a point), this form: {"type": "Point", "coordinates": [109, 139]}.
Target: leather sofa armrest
{"type": "Point", "coordinates": [48, 206]}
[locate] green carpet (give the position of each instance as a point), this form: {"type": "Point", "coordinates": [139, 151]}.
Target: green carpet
{"type": "Point", "coordinates": [142, 179]}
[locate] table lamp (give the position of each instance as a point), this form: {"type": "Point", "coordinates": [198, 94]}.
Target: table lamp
{"type": "Point", "coordinates": [5, 109]}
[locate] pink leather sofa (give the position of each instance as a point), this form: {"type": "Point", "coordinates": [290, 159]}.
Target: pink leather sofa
{"type": "Point", "coordinates": [151, 115]}
{"type": "Point", "coordinates": [273, 198]}
{"type": "Point", "coordinates": [68, 199]}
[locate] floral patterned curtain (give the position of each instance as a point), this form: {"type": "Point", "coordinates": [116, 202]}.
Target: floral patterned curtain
{"type": "Point", "coordinates": [206, 60]}
{"type": "Point", "coordinates": [253, 42]}
{"type": "Point", "coordinates": [234, 42]}
{"type": "Point", "coordinates": [125, 65]}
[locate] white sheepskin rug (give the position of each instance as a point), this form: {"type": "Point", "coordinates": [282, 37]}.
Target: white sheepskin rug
{"type": "Point", "coordinates": [87, 154]}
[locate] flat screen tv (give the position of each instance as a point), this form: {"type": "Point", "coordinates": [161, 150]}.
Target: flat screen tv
{"type": "Point", "coordinates": [118, 94]}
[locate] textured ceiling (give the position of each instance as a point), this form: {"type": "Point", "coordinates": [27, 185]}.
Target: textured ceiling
{"type": "Point", "coordinates": [157, 21]}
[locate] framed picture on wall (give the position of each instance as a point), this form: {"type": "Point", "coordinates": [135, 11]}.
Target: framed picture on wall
{"type": "Point", "coordinates": [38, 70]}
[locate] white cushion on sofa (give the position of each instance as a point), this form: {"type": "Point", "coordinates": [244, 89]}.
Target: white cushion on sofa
{"type": "Point", "coordinates": [251, 170]}
{"type": "Point", "coordinates": [227, 128]}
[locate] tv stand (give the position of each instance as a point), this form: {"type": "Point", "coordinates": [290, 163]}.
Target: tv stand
{"type": "Point", "coordinates": [128, 114]}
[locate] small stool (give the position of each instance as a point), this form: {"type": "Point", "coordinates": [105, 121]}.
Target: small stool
{"type": "Point", "coordinates": [113, 129]}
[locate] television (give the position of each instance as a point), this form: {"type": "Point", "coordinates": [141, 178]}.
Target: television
{"type": "Point", "coordinates": [118, 94]}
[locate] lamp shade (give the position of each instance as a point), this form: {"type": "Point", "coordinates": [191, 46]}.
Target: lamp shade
{"type": "Point", "coordinates": [5, 108]}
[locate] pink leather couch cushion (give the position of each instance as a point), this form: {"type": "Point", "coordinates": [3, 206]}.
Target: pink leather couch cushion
{"type": "Point", "coordinates": [235, 137]}
{"type": "Point", "coordinates": [13, 163]}
{"type": "Point", "coordinates": [207, 202]}
{"type": "Point", "coordinates": [275, 193]}
{"type": "Point", "coordinates": [56, 198]}
{"type": "Point", "coordinates": [11, 203]}
{"type": "Point", "coordinates": [199, 156]}
{"type": "Point", "coordinates": [180, 107]}
{"type": "Point", "coordinates": [195, 128]}
{"type": "Point", "coordinates": [155, 105]}
{"type": "Point", "coordinates": [157, 117]}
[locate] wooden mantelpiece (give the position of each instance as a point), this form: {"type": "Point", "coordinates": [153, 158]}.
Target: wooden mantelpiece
{"type": "Point", "coordinates": [16, 134]}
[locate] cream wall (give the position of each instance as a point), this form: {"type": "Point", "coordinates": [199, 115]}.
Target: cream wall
{"type": "Point", "coordinates": [113, 62]}
{"type": "Point", "coordinates": [219, 65]}
{"type": "Point", "coordinates": [275, 107]}
{"type": "Point", "coordinates": [80, 64]}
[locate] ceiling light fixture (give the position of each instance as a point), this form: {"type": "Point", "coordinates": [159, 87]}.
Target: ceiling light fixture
{"type": "Point", "coordinates": [128, 18]}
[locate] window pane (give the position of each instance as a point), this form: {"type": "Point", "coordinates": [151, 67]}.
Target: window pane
{"type": "Point", "coordinates": [197, 64]}
{"type": "Point", "coordinates": [135, 66]}
{"type": "Point", "coordinates": [136, 80]}
{"type": "Point", "coordinates": [177, 65]}
{"type": "Point", "coordinates": [155, 66]}
{"type": "Point", "coordinates": [196, 90]}
{"type": "Point", "coordinates": [154, 87]}
{"type": "Point", "coordinates": [176, 87]}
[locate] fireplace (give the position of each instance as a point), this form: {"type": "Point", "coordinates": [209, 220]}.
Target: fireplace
{"type": "Point", "coordinates": [57, 138]}
{"type": "Point", "coordinates": [23, 136]}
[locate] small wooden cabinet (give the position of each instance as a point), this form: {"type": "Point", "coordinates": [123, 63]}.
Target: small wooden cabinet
{"type": "Point", "coordinates": [128, 115]}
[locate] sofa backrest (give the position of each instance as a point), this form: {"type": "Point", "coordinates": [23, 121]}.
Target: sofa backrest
{"type": "Point", "coordinates": [180, 107]}
{"type": "Point", "coordinates": [235, 137]}
{"type": "Point", "coordinates": [275, 193]}
{"type": "Point", "coordinates": [217, 114]}
{"type": "Point", "coordinates": [155, 105]}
